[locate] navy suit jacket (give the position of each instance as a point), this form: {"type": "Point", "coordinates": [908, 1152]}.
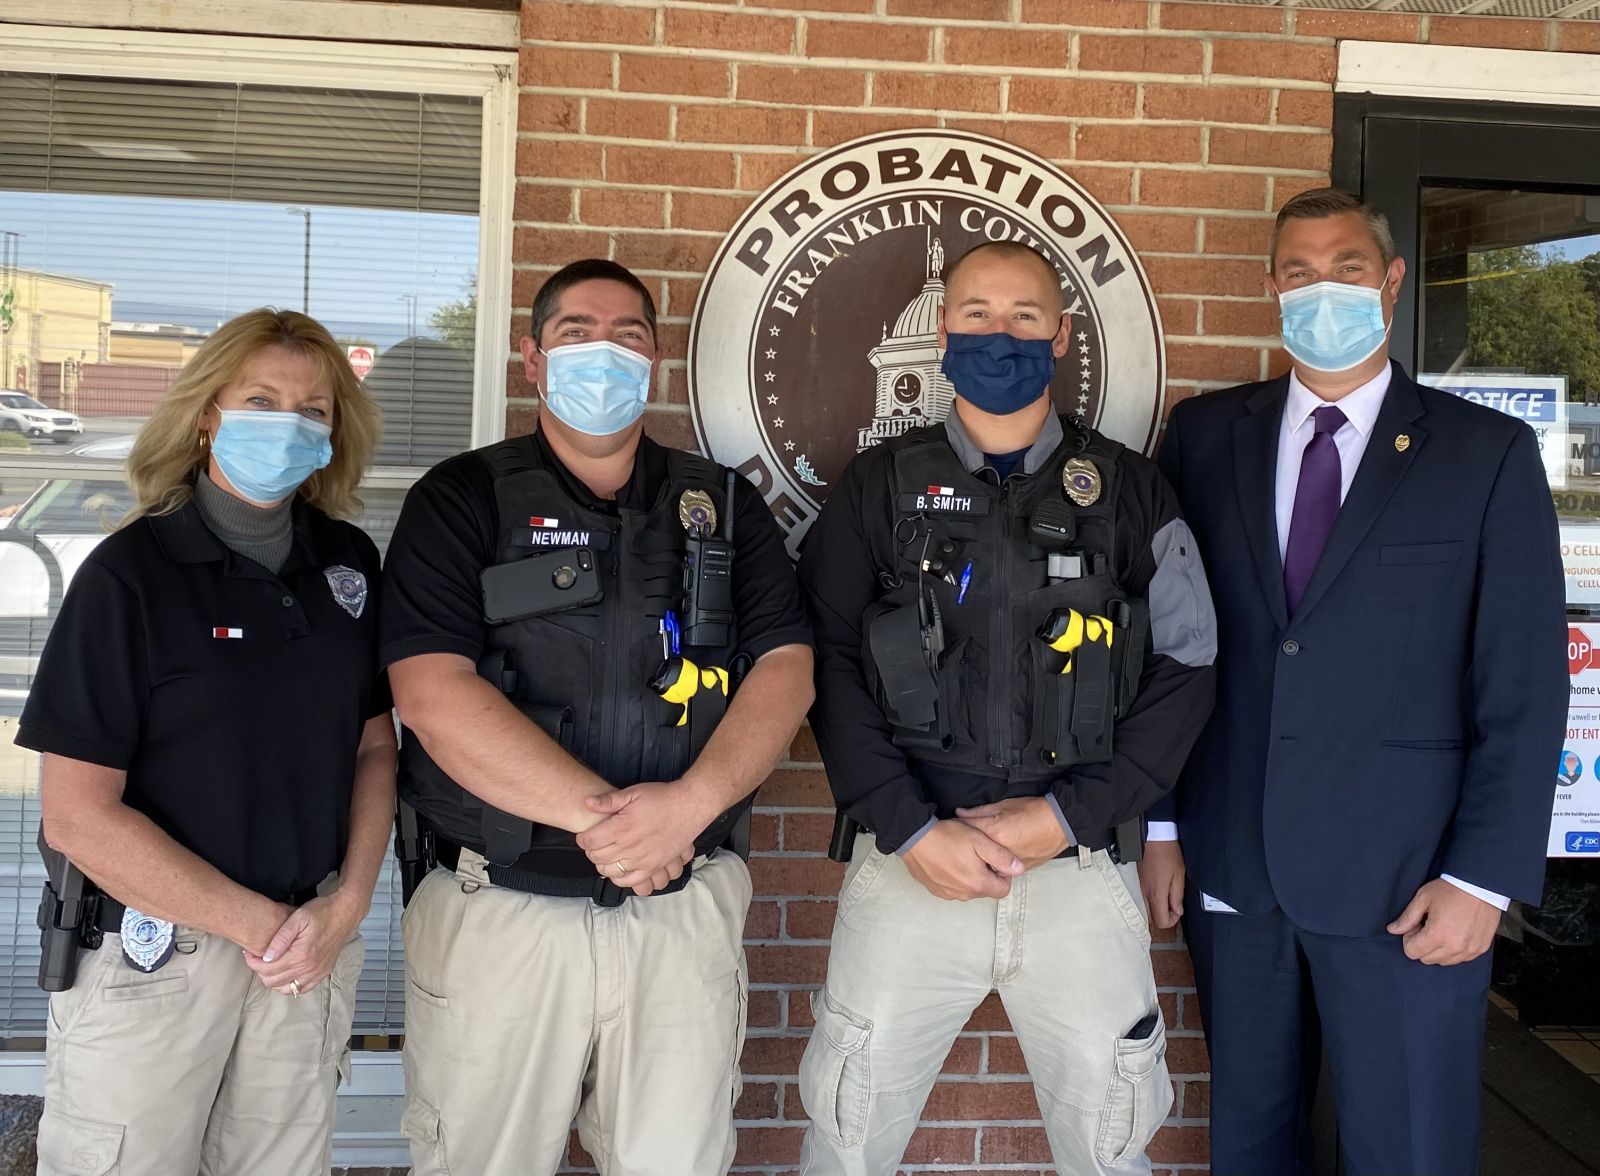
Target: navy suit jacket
{"type": "Point", "coordinates": [1408, 720]}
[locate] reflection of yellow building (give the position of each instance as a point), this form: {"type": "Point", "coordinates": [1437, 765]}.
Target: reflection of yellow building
{"type": "Point", "coordinates": [54, 318]}
{"type": "Point", "coordinates": [157, 345]}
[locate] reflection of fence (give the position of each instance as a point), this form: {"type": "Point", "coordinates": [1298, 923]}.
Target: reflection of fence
{"type": "Point", "coordinates": [104, 389]}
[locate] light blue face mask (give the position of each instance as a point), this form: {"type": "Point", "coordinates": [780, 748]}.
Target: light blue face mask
{"type": "Point", "coordinates": [1332, 326]}
{"type": "Point", "coordinates": [596, 388]}
{"type": "Point", "coordinates": [267, 455]}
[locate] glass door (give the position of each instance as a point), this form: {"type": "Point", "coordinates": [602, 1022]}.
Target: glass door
{"type": "Point", "coordinates": [1496, 210]}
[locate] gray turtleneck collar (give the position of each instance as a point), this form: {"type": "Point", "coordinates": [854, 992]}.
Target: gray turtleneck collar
{"type": "Point", "coordinates": [261, 533]}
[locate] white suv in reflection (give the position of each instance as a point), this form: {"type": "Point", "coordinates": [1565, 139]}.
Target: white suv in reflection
{"type": "Point", "coordinates": [21, 413]}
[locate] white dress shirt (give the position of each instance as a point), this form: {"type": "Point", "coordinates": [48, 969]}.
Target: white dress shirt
{"type": "Point", "coordinates": [1360, 409]}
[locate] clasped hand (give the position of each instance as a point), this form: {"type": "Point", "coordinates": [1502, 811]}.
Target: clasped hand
{"type": "Point", "coordinates": [646, 834]}
{"type": "Point", "coordinates": [306, 946]}
{"type": "Point", "coordinates": [977, 854]}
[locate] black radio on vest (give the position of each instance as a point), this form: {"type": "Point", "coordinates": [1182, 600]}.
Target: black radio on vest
{"type": "Point", "coordinates": [708, 574]}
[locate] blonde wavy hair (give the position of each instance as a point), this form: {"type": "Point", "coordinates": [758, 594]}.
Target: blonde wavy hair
{"type": "Point", "coordinates": [170, 452]}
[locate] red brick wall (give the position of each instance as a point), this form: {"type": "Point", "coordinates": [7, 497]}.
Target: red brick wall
{"type": "Point", "coordinates": [647, 128]}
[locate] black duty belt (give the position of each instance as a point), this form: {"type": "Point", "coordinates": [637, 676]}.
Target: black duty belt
{"type": "Point", "coordinates": [524, 877]}
{"type": "Point", "coordinates": [108, 916]}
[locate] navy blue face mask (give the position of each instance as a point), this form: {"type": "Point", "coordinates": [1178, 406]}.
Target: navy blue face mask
{"type": "Point", "coordinates": [998, 373]}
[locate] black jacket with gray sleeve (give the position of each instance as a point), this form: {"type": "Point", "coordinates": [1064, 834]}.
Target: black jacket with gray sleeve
{"type": "Point", "coordinates": [921, 546]}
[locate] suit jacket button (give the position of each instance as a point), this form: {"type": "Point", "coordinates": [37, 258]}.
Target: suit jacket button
{"type": "Point", "coordinates": [1291, 647]}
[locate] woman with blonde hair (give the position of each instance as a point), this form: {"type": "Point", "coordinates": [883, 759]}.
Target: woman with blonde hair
{"type": "Point", "coordinates": [219, 762]}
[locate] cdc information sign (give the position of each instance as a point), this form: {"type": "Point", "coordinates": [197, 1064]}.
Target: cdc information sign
{"type": "Point", "coordinates": [1575, 823]}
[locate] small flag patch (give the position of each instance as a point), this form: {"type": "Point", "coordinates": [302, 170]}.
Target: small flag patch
{"type": "Point", "coordinates": [220, 631]}
{"type": "Point", "coordinates": [536, 521]}
{"type": "Point", "coordinates": [941, 489]}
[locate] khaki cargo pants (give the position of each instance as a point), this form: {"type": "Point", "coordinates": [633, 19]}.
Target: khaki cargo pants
{"type": "Point", "coordinates": [1068, 951]}
{"type": "Point", "coordinates": [523, 1011]}
{"type": "Point", "coordinates": [193, 1068]}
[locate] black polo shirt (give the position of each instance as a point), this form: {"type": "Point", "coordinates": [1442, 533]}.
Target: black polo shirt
{"type": "Point", "coordinates": [233, 698]}
{"type": "Point", "coordinates": [449, 532]}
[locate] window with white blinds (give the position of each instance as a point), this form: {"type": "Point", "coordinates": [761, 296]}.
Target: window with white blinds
{"type": "Point", "coordinates": [136, 216]}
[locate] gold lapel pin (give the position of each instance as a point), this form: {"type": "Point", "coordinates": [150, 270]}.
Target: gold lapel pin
{"type": "Point", "coordinates": [1402, 443]}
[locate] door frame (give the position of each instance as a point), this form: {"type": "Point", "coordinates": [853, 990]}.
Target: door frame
{"type": "Point", "coordinates": [1387, 147]}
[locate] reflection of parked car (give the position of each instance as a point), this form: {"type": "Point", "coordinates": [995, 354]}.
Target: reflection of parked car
{"type": "Point", "coordinates": [21, 413]}
{"type": "Point", "coordinates": [43, 542]}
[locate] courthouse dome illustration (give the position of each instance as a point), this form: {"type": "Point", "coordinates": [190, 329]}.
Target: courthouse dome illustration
{"type": "Point", "coordinates": [910, 389]}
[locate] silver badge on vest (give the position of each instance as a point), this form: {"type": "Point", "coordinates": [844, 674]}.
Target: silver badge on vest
{"type": "Point", "coordinates": [1080, 477]}
{"type": "Point", "coordinates": [697, 512]}
{"type": "Point", "coordinates": [349, 588]}
{"type": "Point", "coordinates": [146, 940]}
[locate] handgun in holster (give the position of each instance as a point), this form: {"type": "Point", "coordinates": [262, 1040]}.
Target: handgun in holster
{"type": "Point", "coordinates": [413, 849]}
{"type": "Point", "coordinates": [68, 908]}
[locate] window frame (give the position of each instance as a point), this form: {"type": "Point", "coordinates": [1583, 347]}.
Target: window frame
{"type": "Point", "coordinates": [487, 74]}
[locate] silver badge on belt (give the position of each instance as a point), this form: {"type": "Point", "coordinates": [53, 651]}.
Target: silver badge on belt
{"type": "Point", "coordinates": [146, 941]}
{"type": "Point", "coordinates": [349, 588]}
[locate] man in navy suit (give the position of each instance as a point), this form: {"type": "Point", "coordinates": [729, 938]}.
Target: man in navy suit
{"type": "Point", "coordinates": [1374, 786]}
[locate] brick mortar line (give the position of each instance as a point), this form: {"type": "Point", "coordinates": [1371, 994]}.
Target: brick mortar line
{"type": "Point", "coordinates": [680, 231]}
{"type": "Point", "coordinates": [877, 64]}
{"type": "Point", "coordinates": [806, 152]}
{"type": "Point", "coordinates": [1026, 117]}
{"type": "Point", "coordinates": [802, 15]}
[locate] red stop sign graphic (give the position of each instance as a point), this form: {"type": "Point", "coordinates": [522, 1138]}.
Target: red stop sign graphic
{"type": "Point", "coordinates": [1580, 654]}
{"type": "Point", "coordinates": [361, 359]}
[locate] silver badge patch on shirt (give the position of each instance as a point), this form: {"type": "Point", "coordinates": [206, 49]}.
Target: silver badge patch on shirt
{"type": "Point", "coordinates": [146, 941]}
{"type": "Point", "coordinates": [349, 588]}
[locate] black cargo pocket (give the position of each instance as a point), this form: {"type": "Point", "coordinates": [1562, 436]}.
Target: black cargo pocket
{"type": "Point", "coordinates": [1057, 731]}
{"type": "Point", "coordinates": [835, 1072]}
{"type": "Point", "coordinates": [420, 1124]}
{"type": "Point", "coordinates": [955, 692]}
{"type": "Point", "coordinates": [897, 671]}
{"type": "Point", "coordinates": [1138, 1099]}
{"type": "Point", "coordinates": [70, 1146]}
{"type": "Point", "coordinates": [554, 721]}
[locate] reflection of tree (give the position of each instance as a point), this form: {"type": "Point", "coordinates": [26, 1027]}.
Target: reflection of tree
{"type": "Point", "coordinates": [1538, 314]}
{"type": "Point", "coordinates": [457, 321]}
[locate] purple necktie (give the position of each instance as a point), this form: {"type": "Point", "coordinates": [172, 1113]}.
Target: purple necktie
{"type": "Point", "coordinates": [1316, 505]}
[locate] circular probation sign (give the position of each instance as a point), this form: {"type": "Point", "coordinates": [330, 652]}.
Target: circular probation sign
{"type": "Point", "coordinates": [816, 331]}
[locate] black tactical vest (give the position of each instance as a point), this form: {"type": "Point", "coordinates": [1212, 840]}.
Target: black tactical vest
{"type": "Point", "coordinates": [953, 649]}
{"type": "Point", "coordinates": [583, 672]}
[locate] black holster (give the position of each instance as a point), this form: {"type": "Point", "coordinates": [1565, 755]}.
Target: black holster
{"type": "Point", "coordinates": [68, 909]}
{"type": "Point", "coordinates": [845, 831]}
{"type": "Point", "coordinates": [414, 849]}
